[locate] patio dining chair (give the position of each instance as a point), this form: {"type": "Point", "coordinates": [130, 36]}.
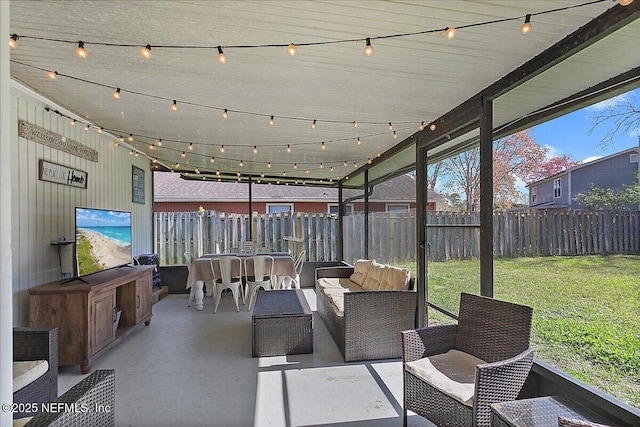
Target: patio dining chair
{"type": "Point", "coordinates": [262, 268]}
{"type": "Point", "coordinates": [230, 278]}
{"type": "Point", "coordinates": [453, 373]}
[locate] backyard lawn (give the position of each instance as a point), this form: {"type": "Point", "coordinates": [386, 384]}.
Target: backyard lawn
{"type": "Point", "coordinates": [586, 311]}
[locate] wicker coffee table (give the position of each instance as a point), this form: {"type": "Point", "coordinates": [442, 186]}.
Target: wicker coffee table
{"type": "Point", "coordinates": [281, 323]}
{"type": "Point", "coordinates": [541, 412]}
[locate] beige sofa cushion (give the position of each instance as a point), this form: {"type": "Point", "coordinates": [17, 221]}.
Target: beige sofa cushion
{"type": "Point", "coordinates": [20, 422]}
{"type": "Point", "coordinates": [375, 277]}
{"type": "Point", "coordinates": [337, 283]}
{"type": "Point", "coordinates": [336, 297]}
{"type": "Point", "coordinates": [453, 373]}
{"type": "Point", "coordinates": [360, 270]}
{"type": "Point", "coordinates": [26, 372]}
{"type": "Point", "coordinates": [395, 279]}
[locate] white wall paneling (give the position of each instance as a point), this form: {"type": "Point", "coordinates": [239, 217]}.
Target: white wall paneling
{"type": "Point", "coordinates": [44, 211]}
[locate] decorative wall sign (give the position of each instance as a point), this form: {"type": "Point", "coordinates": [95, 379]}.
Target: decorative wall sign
{"type": "Point", "coordinates": [53, 140]}
{"type": "Point", "coordinates": [59, 174]}
{"type": "Point", "coordinates": [138, 184]}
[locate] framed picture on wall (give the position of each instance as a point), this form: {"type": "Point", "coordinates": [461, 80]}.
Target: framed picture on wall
{"type": "Point", "coordinates": [137, 184]}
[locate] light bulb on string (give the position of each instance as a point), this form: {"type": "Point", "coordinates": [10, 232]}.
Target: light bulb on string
{"type": "Point", "coordinates": [222, 148]}
{"type": "Point", "coordinates": [99, 130]}
{"type": "Point", "coordinates": [421, 127]}
{"type": "Point", "coordinates": [183, 154]}
{"type": "Point", "coordinates": [86, 126]}
{"type": "Point", "coordinates": [81, 52]}
{"type": "Point", "coordinates": [130, 137]}
{"type": "Point", "coordinates": [212, 159]}
{"type": "Point", "coordinates": [288, 148]}
{"type": "Point", "coordinates": [354, 123]}
{"type": "Point", "coordinates": [368, 49]}
{"type": "Point", "coordinates": [525, 28]}
{"type": "Point", "coordinates": [241, 164]}
{"type": "Point", "coordinates": [269, 164]}
{"type": "Point", "coordinates": [52, 75]}
{"type": "Point", "coordinates": [345, 163]}
{"type": "Point", "coordinates": [225, 114]}
{"type": "Point", "coordinates": [222, 58]}
{"type": "Point", "coordinates": [271, 121]}
{"type": "Point", "coordinates": [174, 106]}
{"type": "Point", "coordinates": [358, 141]}
{"type": "Point", "coordinates": [145, 51]}
{"type": "Point", "coordinates": [292, 49]}
{"type": "Point", "coordinates": [450, 33]}
{"type": "Point", "coordinates": [323, 146]}
{"type": "Point", "coordinates": [432, 127]}
{"type": "Point", "coordinates": [218, 172]}
{"type": "Point", "coordinates": [116, 93]}
{"type": "Point", "coordinates": [255, 149]}
{"type": "Point", "coordinates": [159, 142]}
{"type": "Point", "coordinates": [295, 166]}
{"type": "Point", "coordinates": [355, 165]}
{"type": "Point", "coordinates": [191, 146]}
{"type": "Point", "coordinates": [72, 122]}
{"type": "Point", "coordinates": [313, 125]}
{"type": "Point", "coordinates": [13, 41]}
{"type": "Point", "coordinates": [390, 126]}
{"type": "Point", "coordinates": [152, 147]}
{"type": "Point", "coordinates": [395, 135]}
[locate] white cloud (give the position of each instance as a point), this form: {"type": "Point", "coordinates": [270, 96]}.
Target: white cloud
{"type": "Point", "coordinates": [608, 103]}
{"type": "Point", "coordinates": [552, 151]}
{"type": "Point", "coordinates": [591, 159]}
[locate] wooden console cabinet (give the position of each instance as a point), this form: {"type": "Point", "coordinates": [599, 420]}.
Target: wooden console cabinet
{"type": "Point", "coordinates": [84, 311]}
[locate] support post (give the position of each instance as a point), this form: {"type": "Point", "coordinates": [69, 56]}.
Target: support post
{"type": "Point", "coordinates": [340, 241]}
{"type": "Point", "coordinates": [366, 214]}
{"type": "Point", "coordinates": [250, 208]}
{"type": "Point", "coordinates": [421, 230]}
{"type": "Point", "coordinates": [486, 197]}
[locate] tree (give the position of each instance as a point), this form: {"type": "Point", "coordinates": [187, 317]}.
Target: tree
{"type": "Point", "coordinates": [597, 198]}
{"type": "Point", "coordinates": [514, 157]}
{"type": "Point", "coordinates": [621, 115]}
{"type": "Point", "coordinates": [551, 166]}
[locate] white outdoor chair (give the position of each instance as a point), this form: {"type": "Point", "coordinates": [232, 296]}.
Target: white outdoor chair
{"type": "Point", "coordinates": [261, 278]}
{"type": "Point", "coordinates": [295, 281]}
{"type": "Point", "coordinates": [188, 259]}
{"type": "Point", "coordinates": [228, 280]}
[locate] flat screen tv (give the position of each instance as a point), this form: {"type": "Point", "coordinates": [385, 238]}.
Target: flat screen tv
{"type": "Point", "coordinates": [103, 239]}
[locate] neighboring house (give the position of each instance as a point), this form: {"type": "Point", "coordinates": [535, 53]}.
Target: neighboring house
{"type": "Point", "coordinates": [560, 190]}
{"type": "Point", "coordinates": [174, 194]}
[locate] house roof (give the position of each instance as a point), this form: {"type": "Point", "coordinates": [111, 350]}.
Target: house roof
{"type": "Point", "coordinates": [170, 187]}
{"type": "Point", "coordinates": [586, 165]}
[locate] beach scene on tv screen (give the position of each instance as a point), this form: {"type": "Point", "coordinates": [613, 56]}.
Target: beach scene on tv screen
{"type": "Point", "coordinates": [103, 239]}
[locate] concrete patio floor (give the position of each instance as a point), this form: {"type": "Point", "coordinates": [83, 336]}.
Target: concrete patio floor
{"type": "Point", "coordinates": [194, 368]}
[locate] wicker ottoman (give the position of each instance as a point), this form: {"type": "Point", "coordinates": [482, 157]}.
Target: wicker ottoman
{"type": "Point", "coordinates": [281, 323]}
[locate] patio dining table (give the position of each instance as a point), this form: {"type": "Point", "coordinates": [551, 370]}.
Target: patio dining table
{"type": "Point", "coordinates": [201, 271]}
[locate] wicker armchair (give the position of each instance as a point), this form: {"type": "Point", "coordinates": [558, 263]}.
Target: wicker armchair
{"type": "Point", "coordinates": [496, 332]}
{"type": "Point", "coordinates": [92, 401]}
{"type": "Point", "coordinates": [37, 344]}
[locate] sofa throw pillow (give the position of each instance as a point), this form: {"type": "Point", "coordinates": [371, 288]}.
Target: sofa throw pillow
{"type": "Point", "coordinates": [360, 270]}
{"type": "Point", "coordinates": [375, 277]}
{"type": "Point", "coordinates": [395, 279]}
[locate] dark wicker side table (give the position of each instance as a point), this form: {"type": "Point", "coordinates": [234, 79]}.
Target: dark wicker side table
{"type": "Point", "coordinates": [282, 323]}
{"type": "Point", "coordinates": [541, 412]}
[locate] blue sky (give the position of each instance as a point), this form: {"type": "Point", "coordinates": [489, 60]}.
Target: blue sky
{"type": "Point", "coordinates": [570, 135]}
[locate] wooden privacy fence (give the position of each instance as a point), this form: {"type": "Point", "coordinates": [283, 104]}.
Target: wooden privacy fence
{"type": "Point", "coordinates": [215, 232]}
{"type": "Point", "coordinates": [392, 236]}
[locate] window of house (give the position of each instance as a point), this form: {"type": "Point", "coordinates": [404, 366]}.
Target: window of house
{"type": "Point", "coordinates": [332, 208]}
{"type": "Point", "coordinates": [397, 207]}
{"type": "Point", "coordinates": [534, 194]}
{"type": "Point", "coordinates": [557, 190]}
{"type": "Point", "coordinates": [275, 208]}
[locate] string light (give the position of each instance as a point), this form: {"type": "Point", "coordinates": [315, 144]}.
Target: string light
{"type": "Point", "coordinates": [368, 49]}
{"type": "Point", "coordinates": [288, 148]}
{"type": "Point", "coordinates": [355, 124]}
{"type": "Point", "coordinates": [151, 147]}
{"type": "Point", "coordinates": [183, 154]}
{"type": "Point", "coordinates": [432, 127]}
{"type": "Point", "coordinates": [72, 122]}
{"type": "Point", "coordinates": [269, 164]}
{"type": "Point", "coordinates": [174, 106]}
{"type": "Point", "coordinates": [345, 163]}
{"type": "Point", "coordinates": [225, 114]}
{"type": "Point", "coordinates": [358, 141]}
{"type": "Point", "coordinates": [292, 49]}
{"type": "Point", "coordinates": [313, 125]}
{"type": "Point", "coordinates": [421, 127]}
{"type": "Point", "coordinates": [390, 126]}
{"type": "Point", "coordinates": [191, 146]}
{"type": "Point", "coordinates": [86, 126]}
{"type": "Point", "coordinates": [450, 33]}
{"type": "Point", "coordinates": [99, 130]}
{"type": "Point", "coordinates": [81, 52]}
{"type": "Point", "coordinates": [116, 93]}
{"type": "Point", "coordinates": [212, 159]}
{"type": "Point", "coordinates": [159, 142]}
{"type": "Point", "coordinates": [13, 41]}
{"type": "Point", "coordinates": [130, 137]}
{"type": "Point", "coordinates": [295, 166]}
{"type": "Point", "coordinates": [261, 174]}
{"type": "Point", "coordinates": [255, 149]}
{"type": "Point", "coordinates": [52, 75]}
{"type": "Point", "coordinates": [241, 164]}
{"type": "Point", "coordinates": [323, 146]}
{"type": "Point", "coordinates": [271, 121]}
{"type": "Point", "coordinates": [321, 165]}
{"type": "Point", "coordinates": [395, 135]}
{"type": "Point", "coordinates": [525, 28]}
{"type": "Point", "coordinates": [222, 148]}
{"type": "Point", "coordinates": [369, 160]}
{"type": "Point", "coordinates": [222, 58]}
{"type": "Point", "coordinates": [145, 52]}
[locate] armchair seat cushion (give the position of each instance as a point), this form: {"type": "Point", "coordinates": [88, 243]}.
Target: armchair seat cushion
{"type": "Point", "coordinates": [325, 283]}
{"type": "Point", "coordinates": [26, 372]}
{"type": "Point", "coordinates": [453, 373]}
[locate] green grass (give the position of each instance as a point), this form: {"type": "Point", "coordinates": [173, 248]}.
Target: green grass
{"type": "Point", "coordinates": [586, 311]}
{"type": "Point", "coordinates": [86, 262]}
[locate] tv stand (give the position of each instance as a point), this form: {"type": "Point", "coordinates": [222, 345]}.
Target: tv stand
{"type": "Point", "coordinates": [85, 313]}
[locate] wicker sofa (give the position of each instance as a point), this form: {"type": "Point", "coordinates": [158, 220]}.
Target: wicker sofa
{"type": "Point", "coordinates": [365, 307]}
{"type": "Point", "coordinates": [31, 344]}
